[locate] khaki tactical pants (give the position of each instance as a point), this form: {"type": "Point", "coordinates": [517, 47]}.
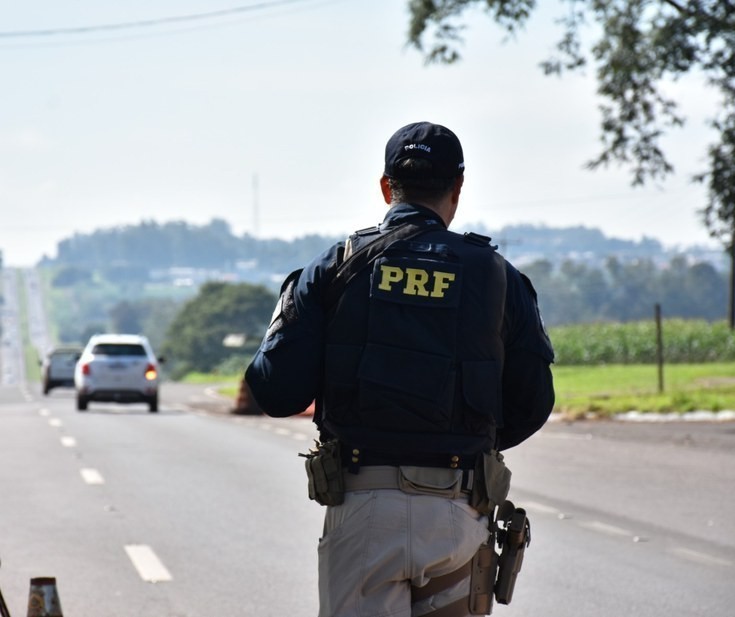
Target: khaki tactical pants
{"type": "Point", "coordinates": [380, 542]}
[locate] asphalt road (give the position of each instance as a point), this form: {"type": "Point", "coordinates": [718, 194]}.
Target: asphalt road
{"type": "Point", "coordinates": [169, 514]}
{"type": "Point", "coordinates": [195, 512]}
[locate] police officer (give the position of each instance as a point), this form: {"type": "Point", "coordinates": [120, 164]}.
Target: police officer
{"type": "Point", "coordinates": [426, 355]}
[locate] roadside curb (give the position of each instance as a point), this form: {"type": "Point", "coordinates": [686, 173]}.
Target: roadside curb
{"type": "Point", "coordinates": [725, 415]}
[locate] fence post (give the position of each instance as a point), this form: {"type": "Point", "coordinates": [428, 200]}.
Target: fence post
{"type": "Point", "coordinates": [659, 350]}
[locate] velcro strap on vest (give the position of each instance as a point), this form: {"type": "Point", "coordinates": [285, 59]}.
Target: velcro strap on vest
{"type": "Point", "coordinates": [440, 583]}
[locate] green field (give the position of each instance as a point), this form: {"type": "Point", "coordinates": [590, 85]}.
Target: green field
{"type": "Point", "coordinates": [618, 388]}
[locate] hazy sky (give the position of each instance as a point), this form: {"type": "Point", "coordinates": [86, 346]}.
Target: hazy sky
{"type": "Point", "coordinates": [276, 119]}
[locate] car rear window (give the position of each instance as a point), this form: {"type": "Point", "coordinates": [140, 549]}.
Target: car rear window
{"type": "Point", "coordinates": [118, 349]}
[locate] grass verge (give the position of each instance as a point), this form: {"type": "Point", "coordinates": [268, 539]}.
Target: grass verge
{"type": "Point", "coordinates": [226, 385]}
{"type": "Point", "coordinates": [30, 354]}
{"type": "Point", "coordinates": [611, 389]}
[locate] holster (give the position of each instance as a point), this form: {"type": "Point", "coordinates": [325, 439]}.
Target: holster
{"type": "Point", "coordinates": [489, 490]}
{"type": "Point", "coordinates": [482, 580]}
{"type": "Point", "coordinates": [494, 574]}
{"type": "Point", "coordinates": [514, 535]}
{"type": "Point", "coordinates": [324, 471]}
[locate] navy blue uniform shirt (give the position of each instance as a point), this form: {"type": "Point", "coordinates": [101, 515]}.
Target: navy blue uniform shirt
{"type": "Point", "coordinates": [286, 374]}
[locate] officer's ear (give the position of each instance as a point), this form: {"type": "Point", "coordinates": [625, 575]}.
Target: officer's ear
{"type": "Point", "coordinates": [385, 189]}
{"type": "Point", "coordinates": [457, 189]}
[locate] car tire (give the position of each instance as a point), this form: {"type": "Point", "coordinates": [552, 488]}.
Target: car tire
{"type": "Point", "coordinates": [81, 403]}
{"type": "Point", "coordinates": [153, 404]}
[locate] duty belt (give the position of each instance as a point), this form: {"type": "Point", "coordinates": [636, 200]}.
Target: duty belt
{"type": "Point", "coordinates": [354, 458]}
{"type": "Point", "coordinates": [377, 477]}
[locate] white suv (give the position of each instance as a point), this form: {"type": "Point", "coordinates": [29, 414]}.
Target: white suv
{"type": "Point", "coordinates": [119, 368]}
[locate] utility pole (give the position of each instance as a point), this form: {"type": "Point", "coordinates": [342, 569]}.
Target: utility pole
{"type": "Point", "coordinates": [256, 214]}
{"type": "Point", "coordinates": [731, 308]}
{"type": "Point", "coordinates": [503, 244]}
{"type": "Point", "coordinates": [659, 349]}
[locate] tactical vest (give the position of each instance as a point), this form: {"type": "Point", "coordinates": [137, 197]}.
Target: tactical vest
{"type": "Point", "coordinates": [414, 354]}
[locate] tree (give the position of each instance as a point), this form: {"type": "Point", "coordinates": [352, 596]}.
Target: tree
{"type": "Point", "coordinates": [719, 214]}
{"type": "Point", "coordinates": [642, 45]}
{"type": "Point", "coordinates": [125, 317]}
{"type": "Point", "coordinates": [70, 276]}
{"type": "Point", "coordinates": [574, 292]}
{"type": "Point", "coordinates": [194, 340]}
{"type": "Point", "coordinates": [149, 316]}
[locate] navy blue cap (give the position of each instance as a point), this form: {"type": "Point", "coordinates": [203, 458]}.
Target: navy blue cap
{"type": "Point", "coordinates": [425, 140]}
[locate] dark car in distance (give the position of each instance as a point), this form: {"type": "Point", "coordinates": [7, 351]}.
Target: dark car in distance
{"type": "Point", "coordinates": [57, 367]}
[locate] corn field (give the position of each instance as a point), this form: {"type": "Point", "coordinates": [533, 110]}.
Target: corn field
{"type": "Point", "coordinates": [684, 341]}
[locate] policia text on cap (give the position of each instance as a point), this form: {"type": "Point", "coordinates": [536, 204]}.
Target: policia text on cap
{"type": "Point", "coordinates": [426, 355]}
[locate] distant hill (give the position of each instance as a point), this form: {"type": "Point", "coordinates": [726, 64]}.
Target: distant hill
{"type": "Point", "coordinates": [525, 243]}
{"type": "Point", "coordinates": [581, 275]}
{"type": "Point", "coordinates": [137, 250]}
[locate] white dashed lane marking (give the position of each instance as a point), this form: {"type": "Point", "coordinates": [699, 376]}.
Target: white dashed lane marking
{"type": "Point", "coordinates": [68, 442]}
{"type": "Point", "coordinates": [92, 476]}
{"type": "Point", "coordinates": [147, 563]}
{"type": "Point", "coordinates": [55, 422]}
{"type": "Point", "coordinates": [540, 508]}
{"type": "Point", "coordinates": [609, 530]}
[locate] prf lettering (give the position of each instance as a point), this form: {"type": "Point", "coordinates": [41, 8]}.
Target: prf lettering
{"type": "Point", "coordinates": [415, 281]}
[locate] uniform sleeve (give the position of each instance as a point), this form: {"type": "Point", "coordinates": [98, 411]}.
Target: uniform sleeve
{"type": "Point", "coordinates": [285, 373]}
{"type": "Point", "coordinates": [528, 389]}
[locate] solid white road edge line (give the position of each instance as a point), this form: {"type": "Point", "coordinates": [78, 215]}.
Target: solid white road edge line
{"type": "Point", "coordinates": [147, 563]}
{"type": "Point", "coordinates": [702, 558]}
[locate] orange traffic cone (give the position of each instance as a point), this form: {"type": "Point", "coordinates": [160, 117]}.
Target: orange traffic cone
{"type": "Point", "coordinates": [245, 403]}
{"type": "Point", "coordinates": [44, 599]}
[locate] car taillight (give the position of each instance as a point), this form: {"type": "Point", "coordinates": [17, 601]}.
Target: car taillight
{"type": "Point", "coordinates": [150, 372]}
{"type": "Point", "coordinates": [86, 370]}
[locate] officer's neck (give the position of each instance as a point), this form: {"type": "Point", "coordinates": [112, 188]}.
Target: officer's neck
{"type": "Point", "coordinates": [445, 207]}
{"type": "Point", "coordinates": [444, 210]}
